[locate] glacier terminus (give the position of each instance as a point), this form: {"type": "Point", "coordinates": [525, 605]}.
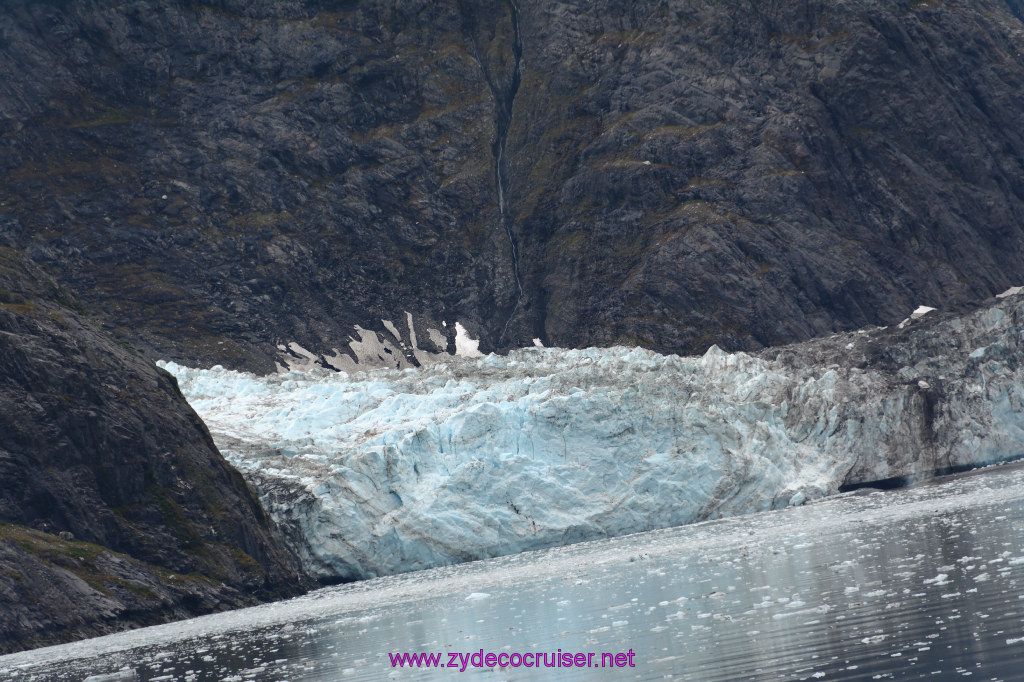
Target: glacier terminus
{"type": "Point", "coordinates": [387, 471]}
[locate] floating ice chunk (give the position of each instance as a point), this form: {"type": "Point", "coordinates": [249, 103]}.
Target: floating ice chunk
{"type": "Point", "coordinates": [122, 675]}
{"type": "Point", "coordinates": [977, 352]}
{"type": "Point", "coordinates": [477, 595]}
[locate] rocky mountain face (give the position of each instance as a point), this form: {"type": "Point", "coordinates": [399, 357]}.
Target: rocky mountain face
{"type": "Point", "coordinates": [218, 177]}
{"type": "Point", "coordinates": [116, 508]}
{"type": "Point", "coordinates": [753, 173]}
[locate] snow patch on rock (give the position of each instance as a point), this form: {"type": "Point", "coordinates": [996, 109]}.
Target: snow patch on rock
{"type": "Point", "coordinates": [465, 345]}
{"type": "Point", "coordinates": [372, 350]}
{"type": "Point", "coordinates": [918, 313]}
{"type": "Point", "coordinates": [1012, 291]}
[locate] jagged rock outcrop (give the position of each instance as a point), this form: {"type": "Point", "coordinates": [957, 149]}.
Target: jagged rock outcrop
{"type": "Point", "coordinates": [218, 177]}
{"type": "Point", "coordinates": [116, 509]}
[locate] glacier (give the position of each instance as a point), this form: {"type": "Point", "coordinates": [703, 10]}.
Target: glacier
{"type": "Point", "coordinates": [391, 470]}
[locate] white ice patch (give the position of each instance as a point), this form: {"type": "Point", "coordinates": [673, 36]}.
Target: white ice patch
{"type": "Point", "coordinates": [1012, 291]}
{"type": "Point", "coordinates": [390, 326]}
{"type": "Point", "coordinates": [918, 313]}
{"type": "Point", "coordinates": [437, 338]}
{"type": "Point", "coordinates": [465, 345]}
{"type": "Point", "coordinates": [921, 311]}
{"type": "Point", "coordinates": [373, 350]}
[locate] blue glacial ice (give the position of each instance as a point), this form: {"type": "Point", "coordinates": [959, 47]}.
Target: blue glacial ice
{"type": "Point", "coordinates": [391, 470]}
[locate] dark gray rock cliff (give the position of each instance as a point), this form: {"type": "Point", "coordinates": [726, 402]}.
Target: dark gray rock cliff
{"type": "Point", "coordinates": [116, 508]}
{"type": "Point", "coordinates": [752, 173]}
{"type": "Point", "coordinates": [217, 178]}
{"type": "Point", "coordinates": [220, 177]}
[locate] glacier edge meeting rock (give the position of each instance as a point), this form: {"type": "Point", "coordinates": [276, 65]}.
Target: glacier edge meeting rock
{"type": "Point", "coordinates": [387, 471]}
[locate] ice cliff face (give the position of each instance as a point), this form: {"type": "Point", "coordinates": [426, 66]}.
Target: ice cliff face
{"type": "Point", "coordinates": [388, 471]}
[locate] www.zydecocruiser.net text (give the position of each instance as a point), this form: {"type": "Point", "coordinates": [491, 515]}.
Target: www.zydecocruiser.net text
{"type": "Point", "coordinates": [462, 660]}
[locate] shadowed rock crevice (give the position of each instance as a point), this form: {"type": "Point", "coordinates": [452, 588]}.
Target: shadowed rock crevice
{"type": "Point", "coordinates": [506, 107]}
{"type": "Point", "coordinates": [494, 32]}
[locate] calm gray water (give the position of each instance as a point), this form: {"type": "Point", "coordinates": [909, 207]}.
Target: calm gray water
{"type": "Point", "coordinates": [921, 583]}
